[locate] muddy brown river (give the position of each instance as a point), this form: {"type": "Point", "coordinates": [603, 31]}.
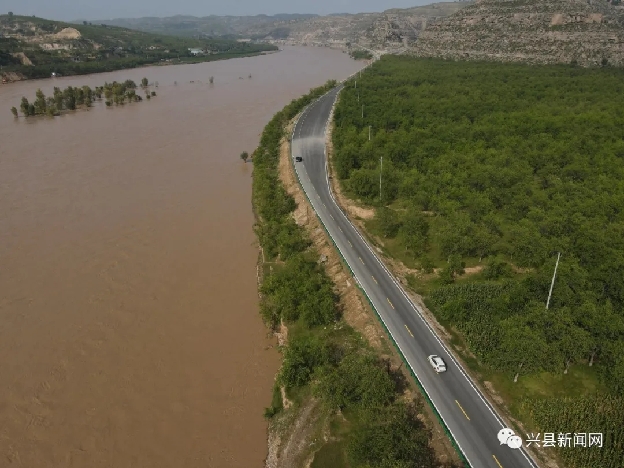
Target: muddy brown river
{"type": "Point", "coordinates": [129, 325]}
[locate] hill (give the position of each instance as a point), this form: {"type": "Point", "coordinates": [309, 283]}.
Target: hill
{"type": "Point", "coordinates": [33, 47]}
{"type": "Point", "coordinates": [212, 26]}
{"type": "Point", "coordinates": [588, 32]}
{"type": "Point", "coordinates": [391, 28]}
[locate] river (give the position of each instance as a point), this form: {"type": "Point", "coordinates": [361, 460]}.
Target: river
{"type": "Point", "coordinates": [129, 325]}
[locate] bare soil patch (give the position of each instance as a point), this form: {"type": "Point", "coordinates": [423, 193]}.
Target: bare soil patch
{"type": "Point", "coordinates": [22, 56]}
{"type": "Point", "coordinates": [9, 77]}
{"type": "Point", "coordinates": [67, 33]}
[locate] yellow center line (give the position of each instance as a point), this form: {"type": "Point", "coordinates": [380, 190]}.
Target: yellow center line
{"type": "Point", "coordinates": [409, 331]}
{"type": "Point", "coordinates": [462, 410]}
{"type": "Point", "coordinates": [361, 260]}
{"type": "Point", "coordinates": [389, 302]}
{"type": "Point", "coordinates": [374, 280]}
{"type": "Point", "coordinates": [497, 462]}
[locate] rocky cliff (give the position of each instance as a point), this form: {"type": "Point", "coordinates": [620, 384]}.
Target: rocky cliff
{"type": "Point", "coordinates": [588, 32]}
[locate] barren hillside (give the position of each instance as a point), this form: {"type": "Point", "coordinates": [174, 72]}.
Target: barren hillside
{"type": "Point", "coordinates": [587, 32]}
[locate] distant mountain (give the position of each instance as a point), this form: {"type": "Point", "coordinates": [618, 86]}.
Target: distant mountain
{"type": "Point", "coordinates": [587, 32]}
{"type": "Point", "coordinates": [212, 25]}
{"type": "Point", "coordinates": [392, 28]}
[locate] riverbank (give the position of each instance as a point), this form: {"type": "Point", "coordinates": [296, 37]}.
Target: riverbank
{"type": "Point", "coordinates": [306, 427]}
{"type": "Point", "coordinates": [12, 76]}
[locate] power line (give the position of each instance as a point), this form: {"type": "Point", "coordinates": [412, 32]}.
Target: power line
{"type": "Point", "coordinates": [553, 280]}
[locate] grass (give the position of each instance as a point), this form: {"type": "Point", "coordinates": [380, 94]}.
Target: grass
{"type": "Point", "coordinates": [331, 455]}
{"type": "Point", "coordinates": [579, 381]}
{"type": "Point", "coordinates": [276, 402]}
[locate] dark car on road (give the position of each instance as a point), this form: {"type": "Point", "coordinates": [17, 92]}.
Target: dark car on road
{"type": "Point", "coordinates": [298, 159]}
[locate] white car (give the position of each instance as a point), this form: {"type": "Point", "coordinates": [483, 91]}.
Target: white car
{"type": "Point", "coordinates": [437, 363]}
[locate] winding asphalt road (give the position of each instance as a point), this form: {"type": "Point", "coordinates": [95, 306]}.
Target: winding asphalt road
{"type": "Point", "coordinates": [471, 420]}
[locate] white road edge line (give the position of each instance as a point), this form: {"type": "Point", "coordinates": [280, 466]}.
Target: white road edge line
{"type": "Point", "coordinates": [378, 314]}
{"type": "Point", "coordinates": [419, 313]}
{"type": "Point", "coordinates": [416, 309]}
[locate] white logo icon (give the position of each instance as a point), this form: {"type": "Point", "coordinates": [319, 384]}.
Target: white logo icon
{"type": "Point", "coordinates": [508, 437]}
{"type": "Point", "coordinates": [504, 434]}
{"type": "Point", "coordinates": [514, 442]}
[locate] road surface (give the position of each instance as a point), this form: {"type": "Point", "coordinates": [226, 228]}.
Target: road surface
{"type": "Point", "coordinates": [471, 420]}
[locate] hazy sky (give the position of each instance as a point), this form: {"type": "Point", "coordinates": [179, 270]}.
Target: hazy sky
{"type": "Point", "coordinates": [108, 9]}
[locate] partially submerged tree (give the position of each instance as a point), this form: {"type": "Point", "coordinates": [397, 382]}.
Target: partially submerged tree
{"type": "Point", "coordinates": [244, 156]}
{"type": "Point", "coordinates": [24, 107]}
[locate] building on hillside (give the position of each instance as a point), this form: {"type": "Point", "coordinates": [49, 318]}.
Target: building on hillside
{"type": "Point", "coordinates": [196, 51]}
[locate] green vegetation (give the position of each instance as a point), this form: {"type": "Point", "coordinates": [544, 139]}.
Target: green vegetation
{"type": "Point", "coordinates": [72, 98]}
{"type": "Point", "coordinates": [503, 166]}
{"type": "Point", "coordinates": [100, 48]}
{"type": "Point", "coordinates": [599, 416]}
{"type": "Point", "coordinates": [324, 357]}
{"type": "Point", "coordinates": [244, 156]}
{"type": "Point", "coordinates": [361, 54]}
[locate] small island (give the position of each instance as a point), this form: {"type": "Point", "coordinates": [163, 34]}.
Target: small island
{"type": "Point", "coordinates": [73, 97]}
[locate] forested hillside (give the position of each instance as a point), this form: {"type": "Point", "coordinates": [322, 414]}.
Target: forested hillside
{"type": "Point", "coordinates": [33, 47]}
{"type": "Point", "coordinates": [500, 167]}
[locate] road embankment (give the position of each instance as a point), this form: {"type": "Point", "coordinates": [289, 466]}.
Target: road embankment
{"type": "Point", "coordinates": [339, 336]}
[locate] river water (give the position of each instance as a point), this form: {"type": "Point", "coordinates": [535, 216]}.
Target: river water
{"type": "Point", "coordinates": [129, 326]}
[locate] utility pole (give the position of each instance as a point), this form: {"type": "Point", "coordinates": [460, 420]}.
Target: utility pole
{"type": "Point", "coordinates": [380, 172]}
{"type": "Point", "coordinates": [362, 111]}
{"type": "Point", "coordinates": [355, 84]}
{"type": "Point", "coordinates": [369, 130]}
{"type": "Point", "coordinates": [553, 280]}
